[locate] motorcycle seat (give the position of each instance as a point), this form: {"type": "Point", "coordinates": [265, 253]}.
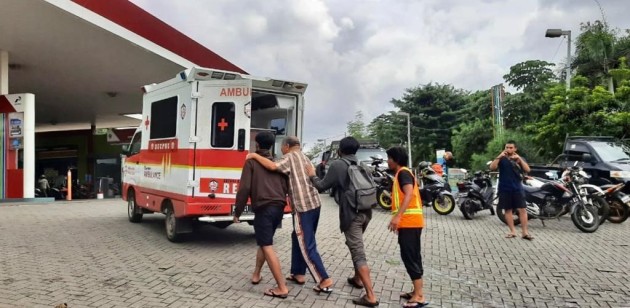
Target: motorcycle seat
{"type": "Point", "coordinates": [530, 189]}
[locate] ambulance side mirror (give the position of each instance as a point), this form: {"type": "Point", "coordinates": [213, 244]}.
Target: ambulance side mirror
{"type": "Point", "coordinates": [125, 150]}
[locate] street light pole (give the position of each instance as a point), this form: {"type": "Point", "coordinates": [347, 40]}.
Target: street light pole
{"type": "Point", "coordinates": [553, 33]}
{"type": "Point", "coordinates": [408, 135]}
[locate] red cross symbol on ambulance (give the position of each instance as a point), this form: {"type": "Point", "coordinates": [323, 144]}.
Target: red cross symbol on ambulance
{"type": "Point", "coordinates": [223, 124]}
{"type": "Point", "coordinates": [146, 123]}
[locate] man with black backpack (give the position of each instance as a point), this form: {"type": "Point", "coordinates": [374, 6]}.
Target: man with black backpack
{"type": "Point", "coordinates": [357, 196]}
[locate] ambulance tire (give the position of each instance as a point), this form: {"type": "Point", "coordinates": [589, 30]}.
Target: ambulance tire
{"type": "Point", "coordinates": [173, 225]}
{"type": "Point", "coordinates": [134, 213]}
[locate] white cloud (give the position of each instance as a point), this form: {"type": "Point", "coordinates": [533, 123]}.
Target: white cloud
{"type": "Point", "coordinates": [358, 55]}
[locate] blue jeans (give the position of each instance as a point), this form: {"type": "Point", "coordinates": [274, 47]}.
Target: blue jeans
{"type": "Point", "coordinates": [304, 252]}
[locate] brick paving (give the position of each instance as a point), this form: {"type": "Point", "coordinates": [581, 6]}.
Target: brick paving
{"type": "Point", "coordinates": [86, 254]}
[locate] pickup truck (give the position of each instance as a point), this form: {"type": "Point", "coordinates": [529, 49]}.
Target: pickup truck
{"type": "Point", "coordinates": [609, 160]}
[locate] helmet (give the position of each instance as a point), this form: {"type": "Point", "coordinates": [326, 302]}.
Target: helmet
{"type": "Point", "coordinates": [423, 165]}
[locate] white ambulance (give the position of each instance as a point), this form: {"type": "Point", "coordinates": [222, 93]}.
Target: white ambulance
{"type": "Point", "coordinates": [185, 158]}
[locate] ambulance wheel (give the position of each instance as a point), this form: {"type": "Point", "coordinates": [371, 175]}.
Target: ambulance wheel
{"type": "Point", "coordinates": [172, 224]}
{"type": "Point", "coordinates": [134, 213]}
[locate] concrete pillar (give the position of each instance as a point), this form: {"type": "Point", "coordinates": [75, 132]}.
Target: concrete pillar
{"type": "Point", "coordinates": [4, 72]}
{"type": "Point", "coordinates": [29, 145]}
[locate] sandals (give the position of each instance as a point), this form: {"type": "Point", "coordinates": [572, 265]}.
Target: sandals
{"type": "Point", "coordinates": [363, 301]}
{"type": "Point", "coordinates": [255, 282]}
{"type": "Point", "coordinates": [292, 279]}
{"type": "Point", "coordinates": [407, 295]}
{"type": "Point", "coordinates": [319, 289]}
{"type": "Point", "coordinates": [353, 283]}
{"type": "Point", "coordinates": [528, 237]}
{"type": "Point", "coordinates": [272, 293]}
{"type": "Point", "coordinates": [415, 304]}
{"type": "Point", "coordinates": [511, 235]}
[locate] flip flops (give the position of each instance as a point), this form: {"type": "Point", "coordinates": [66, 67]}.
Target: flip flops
{"type": "Point", "coordinates": [271, 293]}
{"type": "Point", "coordinates": [528, 237]}
{"type": "Point", "coordinates": [363, 301]}
{"type": "Point", "coordinates": [353, 283]}
{"type": "Point", "coordinates": [510, 235]}
{"type": "Point", "coordinates": [319, 289]}
{"type": "Point", "coordinates": [255, 282]}
{"type": "Point", "coordinates": [292, 279]}
{"type": "Point", "coordinates": [414, 304]}
{"type": "Point", "coordinates": [407, 295]}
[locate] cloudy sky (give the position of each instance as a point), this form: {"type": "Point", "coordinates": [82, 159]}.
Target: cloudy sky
{"type": "Point", "coordinates": [359, 54]}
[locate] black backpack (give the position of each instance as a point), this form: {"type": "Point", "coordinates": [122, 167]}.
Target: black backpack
{"type": "Point", "coordinates": [360, 190]}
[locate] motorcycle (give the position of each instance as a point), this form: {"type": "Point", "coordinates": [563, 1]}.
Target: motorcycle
{"type": "Point", "coordinates": [618, 201]}
{"type": "Point", "coordinates": [475, 194]}
{"type": "Point", "coordinates": [434, 190]}
{"type": "Point", "coordinates": [557, 198]}
{"type": "Point", "coordinates": [591, 194]}
{"type": "Point", "coordinates": [384, 181]}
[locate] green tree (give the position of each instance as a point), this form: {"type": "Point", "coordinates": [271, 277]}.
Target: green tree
{"type": "Point", "coordinates": [524, 143]}
{"type": "Point", "coordinates": [388, 129]}
{"type": "Point", "coordinates": [433, 109]}
{"type": "Point", "coordinates": [316, 149]}
{"type": "Point", "coordinates": [532, 77]}
{"type": "Point", "coordinates": [356, 127]}
{"type": "Point", "coordinates": [477, 105]}
{"type": "Point", "coordinates": [471, 138]}
{"type": "Point", "coordinates": [595, 53]}
{"type": "Point", "coordinates": [582, 111]}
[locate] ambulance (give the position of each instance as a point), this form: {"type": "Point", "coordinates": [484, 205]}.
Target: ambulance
{"type": "Point", "coordinates": [185, 158]}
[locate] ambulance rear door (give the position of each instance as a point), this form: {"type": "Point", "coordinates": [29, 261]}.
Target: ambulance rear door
{"type": "Point", "coordinates": [221, 134]}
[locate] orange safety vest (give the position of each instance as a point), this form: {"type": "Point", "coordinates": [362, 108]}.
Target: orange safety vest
{"type": "Point", "coordinates": [412, 217]}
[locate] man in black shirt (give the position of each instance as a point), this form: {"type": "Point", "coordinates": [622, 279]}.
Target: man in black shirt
{"type": "Point", "coordinates": [510, 190]}
{"type": "Point", "coordinates": [351, 222]}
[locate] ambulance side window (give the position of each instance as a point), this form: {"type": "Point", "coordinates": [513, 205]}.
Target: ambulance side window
{"type": "Point", "coordinates": [279, 125]}
{"type": "Point", "coordinates": [134, 148]}
{"type": "Point", "coordinates": [222, 125]}
{"type": "Point", "coordinates": [164, 118]}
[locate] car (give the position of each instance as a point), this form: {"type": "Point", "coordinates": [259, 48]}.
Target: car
{"type": "Point", "coordinates": [367, 150]}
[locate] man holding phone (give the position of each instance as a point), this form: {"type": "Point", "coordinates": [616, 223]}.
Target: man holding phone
{"type": "Point", "coordinates": [511, 194]}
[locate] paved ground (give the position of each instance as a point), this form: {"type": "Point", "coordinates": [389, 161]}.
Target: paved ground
{"type": "Point", "coordinates": [87, 254]}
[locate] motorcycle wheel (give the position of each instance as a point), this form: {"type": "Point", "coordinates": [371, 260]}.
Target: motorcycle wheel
{"type": "Point", "coordinates": [444, 205]}
{"type": "Point", "coordinates": [467, 210]}
{"type": "Point", "coordinates": [585, 218]}
{"type": "Point", "coordinates": [619, 212]}
{"type": "Point", "coordinates": [501, 215]}
{"type": "Point", "coordinates": [603, 208]}
{"type": "Point", "coordinates": [384, 199]}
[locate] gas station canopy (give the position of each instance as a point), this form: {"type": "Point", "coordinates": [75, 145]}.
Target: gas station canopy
{"type": "Point", "coordinates": [86, 60]}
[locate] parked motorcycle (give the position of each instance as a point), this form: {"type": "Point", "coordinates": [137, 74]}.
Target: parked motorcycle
{"type": "Point", "coordinates": [384, 181]}
{"type": "Point", "coordinates": [475, 194]}
{"type": "Point", "coordinates": [591, 194]}
{"type": "Point", "coordinates": [435, 190]}
{"type": "Point", "coordinates": [619, 203]}
{"type": "Point", "coordinates": [556, 198]}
